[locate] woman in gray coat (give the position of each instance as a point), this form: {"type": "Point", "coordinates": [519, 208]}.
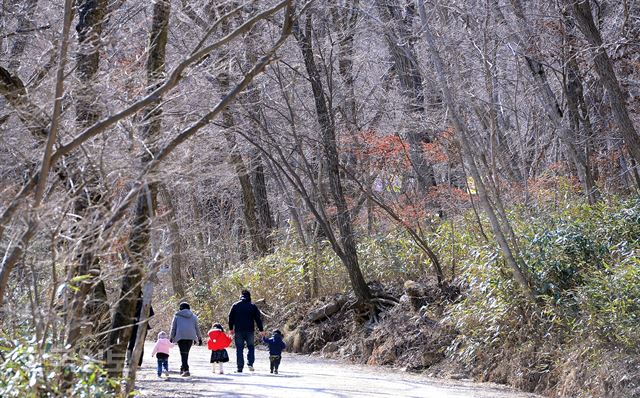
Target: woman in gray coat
{"type": "Point", "coordinates": [185, 331]}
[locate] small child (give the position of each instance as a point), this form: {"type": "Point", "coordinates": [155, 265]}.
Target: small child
{"type": "Point", "coordinates": [276, 345]}
{"type": "Point", "coordinates": [218, 341]}
{"type": "Point", "coordinates": [161, 352]}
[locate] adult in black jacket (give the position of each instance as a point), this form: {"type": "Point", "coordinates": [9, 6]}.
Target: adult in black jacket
{"type": "Point", "coordinates": [243, 318]}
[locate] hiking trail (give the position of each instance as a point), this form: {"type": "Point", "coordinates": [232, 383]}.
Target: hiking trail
{"type": "Point", "coordinates": [302, 376]}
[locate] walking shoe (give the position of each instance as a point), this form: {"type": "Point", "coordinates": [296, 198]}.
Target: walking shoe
{"type": "Point", "coordinates": [275, 371]}
{"type": "Point", "coordinates": [186, 373]}
{"type": "Point", "coordinates": [271, 370]}
{"type": "Point", "coordinates": [166, 373]}
{"type": "Point", "coordinates": [251, 368]}
{"type": "Point", "coordinates": [239, 371]}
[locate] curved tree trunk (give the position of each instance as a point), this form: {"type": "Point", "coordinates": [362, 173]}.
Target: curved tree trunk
{"type": "Point", "coordinates": [346, 247]}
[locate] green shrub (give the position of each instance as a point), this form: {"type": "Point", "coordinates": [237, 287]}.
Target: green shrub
{"type": "Point", "coordinates": [610, 303]}
{"type": "Point", "coordinates": [585, 266]}
{"type": "Point", "coordinates": [27, 372]}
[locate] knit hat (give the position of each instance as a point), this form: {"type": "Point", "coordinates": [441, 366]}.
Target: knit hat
{"type": "Point", "coordinates": [217, 326]}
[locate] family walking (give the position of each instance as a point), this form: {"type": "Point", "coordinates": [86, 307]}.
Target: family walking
{"type": "Point", "coordinates": [244, 317]}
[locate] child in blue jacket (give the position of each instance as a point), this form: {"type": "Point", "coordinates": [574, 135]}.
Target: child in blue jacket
{"type": "Point", "coordinates": [276, 345]}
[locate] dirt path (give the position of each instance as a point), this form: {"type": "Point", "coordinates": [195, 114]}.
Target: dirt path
{"type": "Point", "coordinates": [302, 377]}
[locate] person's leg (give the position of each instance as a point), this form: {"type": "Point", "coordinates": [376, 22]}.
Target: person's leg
{"type": "Point", "coordinates": [239, 341]}
{"type": "Point", "coordinates": [159, 367]}
{"type": "Point", "coordinates": [184, 346]}
{"type": "Point", "coordinates": [186, 358]}
{"type": "Point", "coordinates": [276, 363]}
{"type": "Point", "coordinates": [271, 361]}
{"type": "Point", "coordinates": [166, 365]}
{"type": "Point", "coordinates": [221, 370]}
{"type": "Point", "coordinates": [250, 348]}
{"type": "Point", "coordinates": [181, 349]}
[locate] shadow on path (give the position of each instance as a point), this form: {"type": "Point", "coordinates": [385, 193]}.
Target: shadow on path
{"type": "Point", "coordinates": [305, 377]}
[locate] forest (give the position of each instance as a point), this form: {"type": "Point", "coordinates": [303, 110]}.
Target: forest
{"type": "Point", "coordinates": [462, 172]}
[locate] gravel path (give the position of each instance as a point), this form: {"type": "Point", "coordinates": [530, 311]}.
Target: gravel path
{"type": "Point", "coordinates": [302, 377]}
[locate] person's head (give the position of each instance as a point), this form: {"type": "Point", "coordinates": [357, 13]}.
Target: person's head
{"type": "Point", "coordinates": [277, 332]}
{"type": "Point", "coordinates": [162, 335]}
{"type": "Point", "coordinates": [217, 326]}
{"type": "Point", "coordinates": [184, 306]}
{"type": "Point", "coordinates": [246, 294]}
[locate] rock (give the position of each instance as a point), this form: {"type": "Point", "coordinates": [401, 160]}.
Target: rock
{"type": "Point", "coordinates": [295, 340]}
{"type": "Point", "coordinates": [430, 358]}
{"type": "Point", "coordinates": [329, 348]}
{"type": "Point", "coordinates": [415, 294]}
{"type": "Point", "coordinates": [384, 354]}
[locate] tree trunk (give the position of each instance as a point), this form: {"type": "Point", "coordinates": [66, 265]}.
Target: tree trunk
{"type": "Point", "coordinates": [581, 11]}
{"type": "Point", "coordinates": [138, 243]}
{"type": "Point", "coordinates": [143, 324]}
{"type": "Point", "coordinates": [248, 197]}
{"type": "Point", "coordinates": [253, 103]}
{"type": "Point", "coordinates": [84, 185]}
{"type": "Point", "coordinates": [40, 179]}
{"type": "Point", "coordinates": [347, 248]}
{"type": "Point", "coordinates": [91, 14]}
{"type": "Point", "coordinates": [25, 22]}
{"type": "Point", "coordinates": [265, 221]}
{"type": "Point", "coordinates": [547, 96]}
{"type": "Point", "coordinates": [250, 210]}
{"type": "Point", "coordinates": [32, 117]}
{"type": "Point", "coordinates": [176, 244]}
{"type": "Point", "coordinates": [501, 144]}
{"type": "Point", "coordinates": [521, 275]}
{"type": "Point", "coordinates": [397, 35]}
{"type": "Point", "coordinates": [345, 18]}
{"type": "Point", "coordinates": [578, 112]}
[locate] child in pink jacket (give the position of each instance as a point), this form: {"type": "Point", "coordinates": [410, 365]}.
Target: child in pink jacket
{"type": "Point", "coordinates": [161, 351]}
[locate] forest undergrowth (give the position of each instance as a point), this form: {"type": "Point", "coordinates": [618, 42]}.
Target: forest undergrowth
{"type": "Point", "coordinates": [579, 339]}
{"type": "Point", "coordinates": [444, 187]}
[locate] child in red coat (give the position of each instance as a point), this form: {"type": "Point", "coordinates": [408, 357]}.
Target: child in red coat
{"type": "Point", "coordinates": [217, 343]}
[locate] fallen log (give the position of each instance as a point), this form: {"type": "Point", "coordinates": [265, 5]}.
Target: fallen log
{"type": "Point", "coordinates": [327, 310]}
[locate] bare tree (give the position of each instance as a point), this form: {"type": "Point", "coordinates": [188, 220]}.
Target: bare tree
{"type": "Point", "coordinates": [345, 247]}
{"type": "Point", "coordinates": [519, 270]}
{"type": "Point", "coordinates": [397, 17]}
{"type": "Point", "coordinates": [581, 11]}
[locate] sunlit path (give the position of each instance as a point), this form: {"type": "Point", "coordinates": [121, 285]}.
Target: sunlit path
{"type": "Point", "coordinates": [302, 376]}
